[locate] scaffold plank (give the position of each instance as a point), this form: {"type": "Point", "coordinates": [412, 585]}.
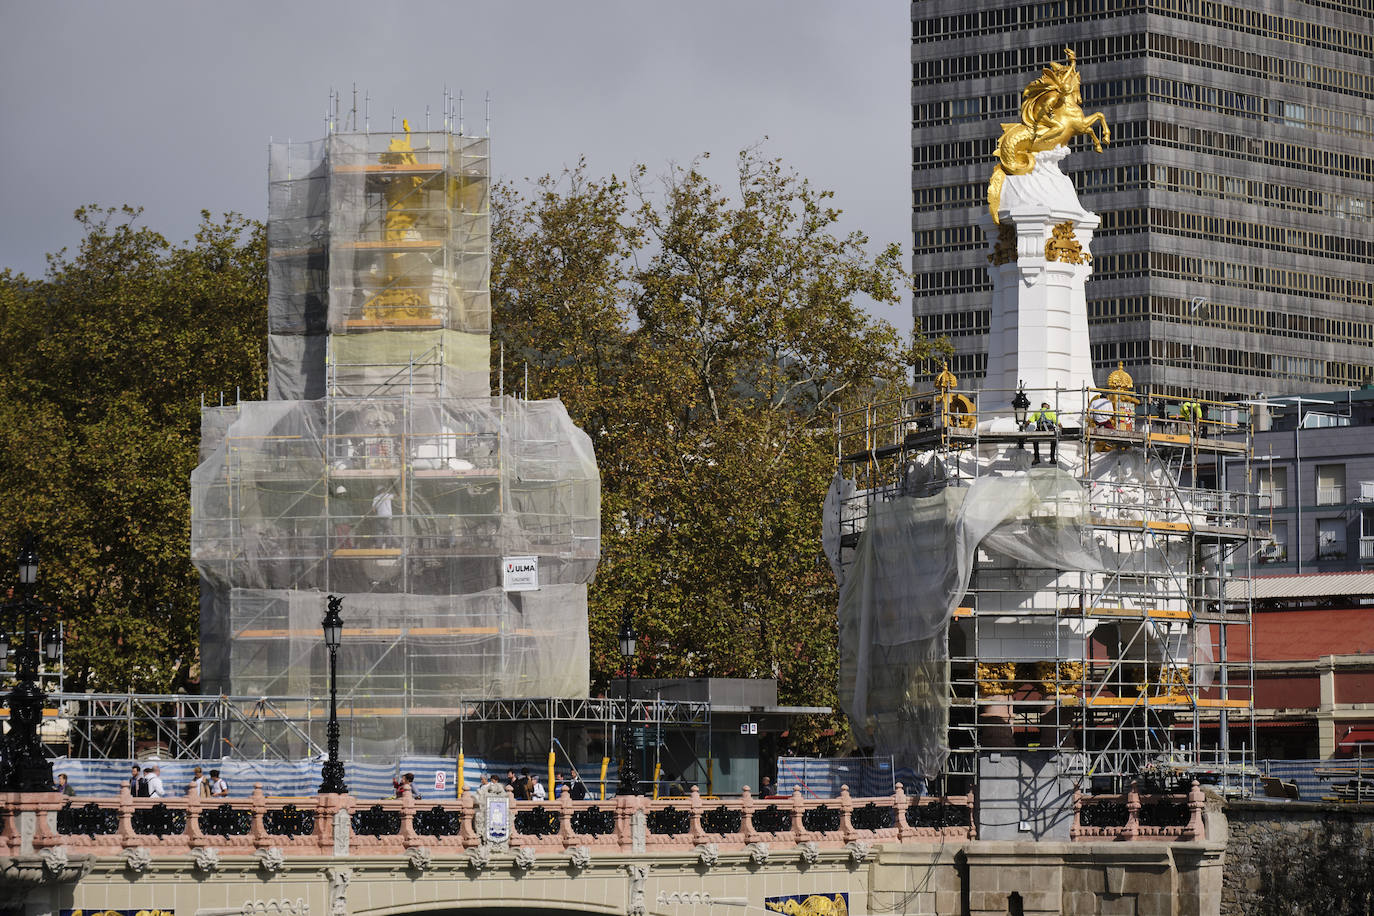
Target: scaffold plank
{"type": "Point", "coordinates": [367, 324]}
{"type": "Point", "coordinates": [392, 167]}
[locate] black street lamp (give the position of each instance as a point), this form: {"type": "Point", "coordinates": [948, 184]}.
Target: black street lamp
{"type": "Point", "coordinates": [1019, 405]}
{"type": "Point", "coordinates": [29, 631]}
{"type": "Point", "coordinates": [332, 773]}
{"type": "Point", "coordinates": [629, 777]}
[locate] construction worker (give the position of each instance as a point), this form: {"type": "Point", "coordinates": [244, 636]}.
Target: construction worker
{"type": "Point", "coordinates": [1191, 413]}
{"type": "Point", "coordinates": [1102, 412]}
{"type": "Point", "coordinates": [1045, 421]}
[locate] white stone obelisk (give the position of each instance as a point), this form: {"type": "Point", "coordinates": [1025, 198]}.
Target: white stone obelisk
{"type": "Point", "coordinates": [1038, 333]}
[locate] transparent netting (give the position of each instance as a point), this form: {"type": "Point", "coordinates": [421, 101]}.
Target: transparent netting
{"type": "Point", "coordinates": [413, 651]}
{"type": "Point", "coordinates": [408, 507]}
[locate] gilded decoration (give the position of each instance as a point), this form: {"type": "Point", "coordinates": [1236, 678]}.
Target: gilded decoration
{"type": "Point", "coordinates": [1004, 251]}
{"type": "Point", "coordinates": [1051, 115]}
{"type": "Point", "coordinates": [809, 905]}
{"type": "Point", "coordinates": [1120, 379]}
{"type": "Point", "coordinates": [1063, 245]}
{"type": "Point", "coordinates": [957, 409]}
{"type": "Point", "coordinates": [1058, 678]}
{"type": "Point", "coordinates": [1166, 683]}
{"type": "Point", "coordinates": [997, 679]}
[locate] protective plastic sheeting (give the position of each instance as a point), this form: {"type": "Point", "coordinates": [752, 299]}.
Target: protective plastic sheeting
{"type": "Point", "coordinates": [911, 567]}
{"type": "Point", "coordinates": [418, 500]}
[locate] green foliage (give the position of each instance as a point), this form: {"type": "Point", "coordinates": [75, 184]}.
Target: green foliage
{"type": "Point", "coordinates": [704, 342]}
{"type": "Point", "coordinates": [106, 360]}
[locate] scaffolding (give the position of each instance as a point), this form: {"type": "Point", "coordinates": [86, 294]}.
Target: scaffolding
{"type": "Point", "coordinates": [381, 468]}
{"type": "Point", "coordinates": [1089, 620]}
{"type": "Point", "coordinates": [378, 258]}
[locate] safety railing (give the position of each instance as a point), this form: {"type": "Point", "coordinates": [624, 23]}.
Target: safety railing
{"type": "Point", "coordinates": [894, 422]}
{"type": "Point", "coordinates": [325, 824]}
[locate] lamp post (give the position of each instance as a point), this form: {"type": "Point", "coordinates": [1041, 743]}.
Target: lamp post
{"type": "Point", "coordinates": [629, 777]}
{"type": "Point", "coordinates": [1019, 405]}
{"type": "Point", "coordinates": [29, 630]}
{"type": "Point", "coordinates": [332, 773]}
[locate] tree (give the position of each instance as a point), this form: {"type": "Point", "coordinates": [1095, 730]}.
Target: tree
{"type": "Point", "coordinates": [704, 342]}
{"type": "Point", "coordinates": [107, 359]}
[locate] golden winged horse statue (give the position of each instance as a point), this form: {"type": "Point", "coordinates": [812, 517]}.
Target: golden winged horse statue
{"type": "Point", "coordinates": [1051, 115]}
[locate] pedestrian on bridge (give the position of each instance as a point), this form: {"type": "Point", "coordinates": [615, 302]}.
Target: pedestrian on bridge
{"type": "Point", "coordinates": [576, 788]}
{"type": "Point", "coordinates": [153, 777]}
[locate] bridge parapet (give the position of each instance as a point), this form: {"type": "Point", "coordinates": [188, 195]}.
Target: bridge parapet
{"type": "Point", "coordinates": [1138, 817]}
{"type": "Point", "coordinates": [334, 825]}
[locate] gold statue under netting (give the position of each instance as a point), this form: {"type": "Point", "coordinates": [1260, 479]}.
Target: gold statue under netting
{"type": "Point", "coordinates": [1051, 115]}
{"type": "Point", "coordinates": [404, 197]}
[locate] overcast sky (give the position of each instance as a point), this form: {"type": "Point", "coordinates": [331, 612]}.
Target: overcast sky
{"type": "Point", "coordinates": [169, 106]}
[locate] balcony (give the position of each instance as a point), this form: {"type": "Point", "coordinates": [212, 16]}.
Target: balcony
{"type": "Point", "coordinates": [1367, 549]}
{"type": "Point", "coordinates": [1332, 495]}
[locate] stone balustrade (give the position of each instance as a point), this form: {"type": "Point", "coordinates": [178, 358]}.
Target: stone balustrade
{"type": "Point", "coordinates": [334, 825]}
{"type": "Point", "coordinates": [1138, 817]}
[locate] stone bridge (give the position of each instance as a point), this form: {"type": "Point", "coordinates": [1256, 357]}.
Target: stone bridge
{"type": "Point", "coordinates": [333, 855]}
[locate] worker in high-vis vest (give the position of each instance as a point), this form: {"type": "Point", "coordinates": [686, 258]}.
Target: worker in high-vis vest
{"type": "Point", "coordinates": [1191, 413]}
{"type": "Point", "coordinates": [1045, 421]}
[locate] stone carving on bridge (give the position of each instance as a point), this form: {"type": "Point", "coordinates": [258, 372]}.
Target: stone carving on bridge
{"type": "Point", "coordinates": [859, 851]}
{"type": "Point", "coordinates": [205, 858]}
{"type": "Point", "coordinates": [524, 858]}
{"type": "Point", "coordinates": [51, 865]}
{"type": "Point", "coordinates": [810, 852]}
{"type": "Point", "coordinates": [275, 907]}
{"type": "Point", "coordinates": [708, 854]}
{"type": "Point", "coordinates": [697, 898]}
{"type": "Point", "coordinates": [54, 859]}
{"type": "Point", "coordinates": [137, 859]}
{"type": "Point", "coordinates": [419, 858]}
{"type": "Point", "coordinates": [758, 853]}
{"type": "Point", "coordinates": [639, 875]}
{"type": "Point", "coordinates": [343, 832]}
{"type": "Point", "coordinates": [339, 879]}
{"type": "Point", "coordinates": [271, 859]}
{"type": "Point", "coordinates": [579, 857]}
{"type": "Point", "coordinates": [479, 857]}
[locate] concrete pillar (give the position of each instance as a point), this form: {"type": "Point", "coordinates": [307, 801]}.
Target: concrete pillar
{"type": "Point", "coordinates": [1326, 712]}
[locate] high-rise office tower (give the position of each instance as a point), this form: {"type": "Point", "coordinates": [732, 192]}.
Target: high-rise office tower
{"type": "Point", "coordinates": [1236, 249]}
